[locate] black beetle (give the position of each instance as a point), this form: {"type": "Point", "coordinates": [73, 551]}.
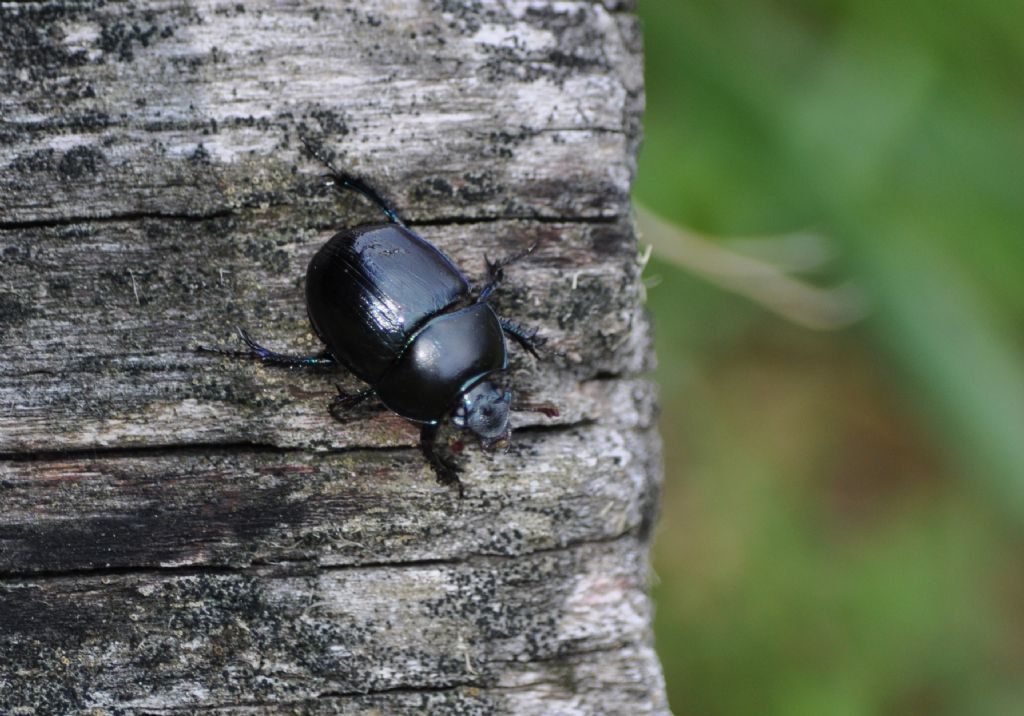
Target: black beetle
{"type": "Point", "coordinates": [400, 316]}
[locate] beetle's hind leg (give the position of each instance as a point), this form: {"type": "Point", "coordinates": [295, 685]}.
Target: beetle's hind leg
{"type": "Point", "coordinates": [255, 350]}
{"type": "Point", "coordinates": [496, 270]}
{"type": "Point", "coordinates": [341, 181]}
{"type": "Point", "coordinates": [444, 466]}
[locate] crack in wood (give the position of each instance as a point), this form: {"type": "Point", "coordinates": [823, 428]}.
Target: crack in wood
{"type": "Point", "coordinates": [474, 687]}
{"type": "Point", "coordinates": [213, 449]}
{"type": "Point", "coordinates": [126, 217]}
{"type": "Point", "coordinates": [448, 220]}
{"type": "Point", "coordinates": [287, 568]}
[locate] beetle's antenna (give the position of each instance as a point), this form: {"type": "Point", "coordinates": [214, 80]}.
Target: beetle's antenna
{"type": "Point", "coordinates": [344, 180]}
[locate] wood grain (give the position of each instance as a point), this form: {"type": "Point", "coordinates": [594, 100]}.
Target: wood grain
{"type": "Point", "coordinates": [185, 532]}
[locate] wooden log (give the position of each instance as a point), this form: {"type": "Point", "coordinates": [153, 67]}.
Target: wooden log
{"type": "Point", "coordinates": [185, 532]}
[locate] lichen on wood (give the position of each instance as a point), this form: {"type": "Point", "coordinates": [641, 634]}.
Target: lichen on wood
{"type": "Point", "coordinates": [182, 532]}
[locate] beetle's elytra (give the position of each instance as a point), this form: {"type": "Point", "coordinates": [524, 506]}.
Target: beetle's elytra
{"type": "Point", "coordinates": [400, 316]}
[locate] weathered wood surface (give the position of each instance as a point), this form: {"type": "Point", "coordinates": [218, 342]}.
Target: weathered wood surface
{"type": "Point", "coordinates": [183, 532]}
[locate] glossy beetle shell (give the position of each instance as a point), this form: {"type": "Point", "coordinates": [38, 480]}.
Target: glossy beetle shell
{"type": "Point", "coordinates": [369, 289]}
{"type": "Point", "coordinates": [398, 314]}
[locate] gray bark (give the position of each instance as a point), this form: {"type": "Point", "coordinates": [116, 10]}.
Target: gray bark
{"type": "Point", "coordinates": [183, 532]}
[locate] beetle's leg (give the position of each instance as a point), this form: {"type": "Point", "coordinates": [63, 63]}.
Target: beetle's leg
{"type": "Point", "coordinates": [526, 337]}
{"type": "Point", "coordinates": [444, 467]}
{"type": "Point", "coordinates": [496, 270]}
{"type": "Point", "coordinates": [272, 358]}
{"type": "Point", "coordinates": [268, 356]}
{"type": "Point", "coordinates": [343, 180]}
{"type": "Point", "coordinates": [344, 401]}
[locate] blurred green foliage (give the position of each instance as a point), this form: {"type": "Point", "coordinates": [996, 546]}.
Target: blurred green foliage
{"type": "Point", "coordinates": [841, 531]}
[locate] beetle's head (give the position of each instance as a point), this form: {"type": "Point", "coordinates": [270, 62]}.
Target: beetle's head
{"type": "Point", "coordinates": [484, 412]}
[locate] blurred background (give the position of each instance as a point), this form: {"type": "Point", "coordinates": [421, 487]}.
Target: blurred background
{"type": "Point", "coordinates": [835, 196]}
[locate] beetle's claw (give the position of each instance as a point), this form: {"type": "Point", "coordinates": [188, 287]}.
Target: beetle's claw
{"type": "Point", "coordinates": [316, 151]}
{"type": "Point", "coordinates": [495, 270]}
{"type": "Point", "coordinates": [447, 472]}
{"type": "Point", "coordinates": [453, 480]}
{"type": "Point", "coordinates": [230, 352]}
{"type": "Point", "coordinates": [342, 402]}
{"type": "Point", "coordinates": [534, 341]}
{"type": "Point", "coordinates": [247, 339]}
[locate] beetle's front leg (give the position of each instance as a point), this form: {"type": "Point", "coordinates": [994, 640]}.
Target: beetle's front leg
{"type": "Point", "coordinates": [444, 467]}
{"type": "Point", "coordinates": [526, 337]}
